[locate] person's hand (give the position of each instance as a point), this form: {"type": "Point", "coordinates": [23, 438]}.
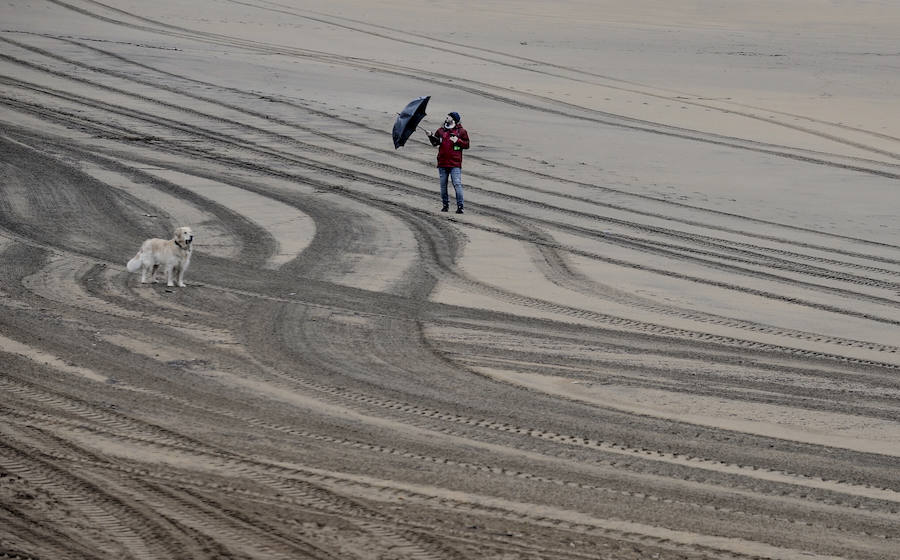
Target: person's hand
{"type": "Point", "coordinates": [454, 139]}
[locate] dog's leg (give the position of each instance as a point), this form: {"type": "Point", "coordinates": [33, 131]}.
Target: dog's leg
{"type": "Point", "coordinates": [181, 283]}
{"type": "Point", "coordinates": [169, 271]}
{"type": "Point", "coordinates": [144, 268]}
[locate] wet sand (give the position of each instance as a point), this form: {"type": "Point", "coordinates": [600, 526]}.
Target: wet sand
{"type": "Point", "coordinates": [667, 325]}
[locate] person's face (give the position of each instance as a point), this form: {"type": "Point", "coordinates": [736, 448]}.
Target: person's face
{"type": "Point", "coordinates": [449, 122]}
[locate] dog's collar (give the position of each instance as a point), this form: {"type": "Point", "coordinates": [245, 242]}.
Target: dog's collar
{"type": "Point", "coordinates": [185, 246]}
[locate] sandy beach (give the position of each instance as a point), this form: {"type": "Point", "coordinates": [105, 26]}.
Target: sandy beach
{"type": "Point", "coordinates": [667, 325]}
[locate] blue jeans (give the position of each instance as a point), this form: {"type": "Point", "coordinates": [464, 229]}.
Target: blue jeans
{"type": "Point", "coordinates": [455, 174]}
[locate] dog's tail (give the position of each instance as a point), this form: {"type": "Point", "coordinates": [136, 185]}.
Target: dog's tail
{"type": "Point", "coordinates": [135, 263]}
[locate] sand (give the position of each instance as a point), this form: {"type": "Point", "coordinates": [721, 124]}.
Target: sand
{"type": "Point", "coordinates": [667, 325]}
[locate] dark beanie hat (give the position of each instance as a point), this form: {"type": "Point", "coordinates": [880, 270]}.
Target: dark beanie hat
{"type": "Point", "coordinates": [455, 115]}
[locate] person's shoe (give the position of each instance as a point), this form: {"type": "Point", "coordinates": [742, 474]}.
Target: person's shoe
{"type": "Point", "coordinates": [459, 210]}
{"type": "Point", "coordinates": [445, 208]}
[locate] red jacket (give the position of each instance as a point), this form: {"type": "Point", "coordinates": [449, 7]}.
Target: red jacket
{"type": "Point", "coordinates": [450, 154]}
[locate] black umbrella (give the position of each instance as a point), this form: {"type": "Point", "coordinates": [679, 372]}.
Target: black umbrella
{"type": "Point", "coordinates": [408, 120]}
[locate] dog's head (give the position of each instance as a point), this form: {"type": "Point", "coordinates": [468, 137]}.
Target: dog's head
{"type": "Point", "coordinates": [184, 236]}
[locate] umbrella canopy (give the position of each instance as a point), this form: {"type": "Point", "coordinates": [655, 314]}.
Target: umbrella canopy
{"type": "Point", "coordinates": [408, 119]}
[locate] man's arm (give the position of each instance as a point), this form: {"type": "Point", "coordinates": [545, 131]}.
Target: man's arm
{"type": "Point", "coordinates": [434, 139]}
{"type": "Point", "coordinates": [463, 139]}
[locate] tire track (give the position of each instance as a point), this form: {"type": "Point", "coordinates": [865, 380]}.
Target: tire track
{"type": "Point", "coordinates": [755, 292]}
{"type": "Point", "coordinates": [388, 155]}
{"type": "Point", "coordinates": [840, 501]}
{"type": "Point", "coordinates": [140, 535]}
{"type": "Point", "coordinates": [379, 530]}
{"type": "Point", "coordinates": [617, 322]}
{"type": "Point", "coordinates": [665, 249]}
{"type": "Point", "coordinates": [58, 281]}
{"type": "Point", "coordinates": [344, 395]}
{"type": "Point", "coordinates": [683, 379]}
{"type": "Point", "coordinates": [258, 131]}
{"type": "Point", "coordinates": [551, 257]}
{"type": "Point", "coordinates": [608, 447]}
{"type": "Point", "coordinates": [536, 478]}
{"type": "Point", "coordinates": [296, 491]}
{"type": "Point", "coordinates": [620, 322]}
{"type": "Point", "coordinates": [163, 28]}
{"type": "Point", "coordinates": [530, 65]}
{"type": "Point", "coordinates": [394, 155]}
{"type": "Point", "coordinates": [554, 178]}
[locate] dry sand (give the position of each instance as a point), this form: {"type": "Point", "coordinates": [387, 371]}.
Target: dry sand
{"type": "Point", "coordinates": [666, 327]}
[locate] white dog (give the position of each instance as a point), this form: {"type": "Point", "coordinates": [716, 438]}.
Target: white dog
{"type": "Point", "coordinates": [171, 254]}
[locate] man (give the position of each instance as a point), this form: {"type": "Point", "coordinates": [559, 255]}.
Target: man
{"type": "Point", "coordinates": [451, 139]}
